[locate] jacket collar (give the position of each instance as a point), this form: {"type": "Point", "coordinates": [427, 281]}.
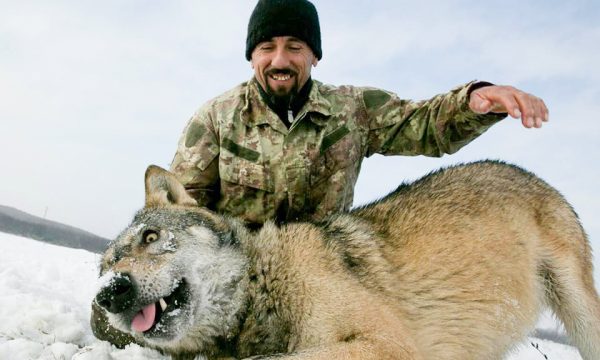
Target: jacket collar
{"type": "Point", "coordinates": [256, 112]}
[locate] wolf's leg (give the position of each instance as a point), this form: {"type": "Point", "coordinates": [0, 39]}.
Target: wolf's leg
{"type": "Point", "coordinates": [366, 349]}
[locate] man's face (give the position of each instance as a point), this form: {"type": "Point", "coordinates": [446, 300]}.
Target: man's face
{"type": "Point", "coordinates": [282, 65]}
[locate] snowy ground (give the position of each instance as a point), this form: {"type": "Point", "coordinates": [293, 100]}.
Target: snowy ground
{"type": "Point", "coordinates": [45, 296]}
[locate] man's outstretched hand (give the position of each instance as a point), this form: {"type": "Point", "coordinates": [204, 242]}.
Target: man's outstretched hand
{"type": "Point", "coordinates": [506, 99]}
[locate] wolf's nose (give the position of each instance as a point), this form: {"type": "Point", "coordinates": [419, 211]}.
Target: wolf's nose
{"type": "Point", "coordinates": [118, 295]}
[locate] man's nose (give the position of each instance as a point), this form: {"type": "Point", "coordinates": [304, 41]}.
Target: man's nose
{"type": "Point", "coordinates": [280, 59]}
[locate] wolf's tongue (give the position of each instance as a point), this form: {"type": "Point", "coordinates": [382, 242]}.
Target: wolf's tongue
{"type": "Point", "coordinates": [144, 319]}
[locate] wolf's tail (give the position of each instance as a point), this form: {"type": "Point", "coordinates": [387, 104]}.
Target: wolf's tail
{"type": "Point", "coordinates": [567, 274]}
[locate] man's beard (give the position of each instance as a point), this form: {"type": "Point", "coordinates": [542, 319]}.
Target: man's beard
{"type": "Point", "coordinates": [282, 99]}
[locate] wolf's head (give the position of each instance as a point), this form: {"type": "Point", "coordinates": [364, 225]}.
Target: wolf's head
{"type": "Point", "coordinates": [174, 278]}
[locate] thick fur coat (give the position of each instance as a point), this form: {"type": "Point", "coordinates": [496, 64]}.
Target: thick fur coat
{"type": "Point", "coordinates": [457, 265]}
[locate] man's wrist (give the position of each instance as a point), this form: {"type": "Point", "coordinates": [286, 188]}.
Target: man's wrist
{"type": "Point", "coordinates": [477, 85]}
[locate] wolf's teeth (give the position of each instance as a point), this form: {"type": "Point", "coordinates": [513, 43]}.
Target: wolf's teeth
{"type": "Point", "coordinates": [163, 304]}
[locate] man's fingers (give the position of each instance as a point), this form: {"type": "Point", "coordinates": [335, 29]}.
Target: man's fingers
{"type": "Point", "coordinates": [528, 113]}
{"type": "Point", "coordinates": [518, 104]}
{"type": "Point", "coordinates": [536, 112]}
{"type": "Point", "coordinates": [512, 106]}
{"type": "Point", "coordinates": [540, 113]}
{"type": "Point", "coordinates": [543, 110]}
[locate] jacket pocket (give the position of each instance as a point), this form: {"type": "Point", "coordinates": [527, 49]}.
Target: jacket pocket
{"type": "Point", "coordinates": [239, 165]}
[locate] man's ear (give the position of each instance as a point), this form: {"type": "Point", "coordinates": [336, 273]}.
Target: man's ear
{"type": "Point", "coordinates": [163, 189]}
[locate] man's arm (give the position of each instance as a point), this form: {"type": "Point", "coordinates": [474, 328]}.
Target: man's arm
{"type": "Point", "coordinates": [196, 162]}
{"type": "Point", "coordinates": [440, 125]}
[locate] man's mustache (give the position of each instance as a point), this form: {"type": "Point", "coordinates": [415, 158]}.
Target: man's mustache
{"type": "Point", "coordinates": [281, 72]}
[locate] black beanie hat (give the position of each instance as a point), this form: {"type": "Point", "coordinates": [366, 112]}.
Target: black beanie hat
{"type": "Point", "coordinates": [272, 18]}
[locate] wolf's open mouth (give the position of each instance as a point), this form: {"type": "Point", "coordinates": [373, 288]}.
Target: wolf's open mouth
{"type": "Point", "coordinates": [148, 319]}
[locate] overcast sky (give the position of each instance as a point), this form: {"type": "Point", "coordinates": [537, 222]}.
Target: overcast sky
{"type": "Point", "coordinates": [91, 92]}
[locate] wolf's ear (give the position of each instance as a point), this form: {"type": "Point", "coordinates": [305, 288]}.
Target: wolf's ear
{"type": "Point", "coordinates": [163, 189]}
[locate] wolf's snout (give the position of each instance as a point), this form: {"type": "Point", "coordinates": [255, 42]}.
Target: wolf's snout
{"type": "Point", "coordinates": [118, 295]}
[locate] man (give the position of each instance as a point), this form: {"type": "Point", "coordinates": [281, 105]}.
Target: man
{"type": "Point", "coordinates": [283, 146]}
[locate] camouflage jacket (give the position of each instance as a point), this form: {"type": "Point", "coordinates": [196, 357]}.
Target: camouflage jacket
{"type": "Point", "coordinates": [237, 157]}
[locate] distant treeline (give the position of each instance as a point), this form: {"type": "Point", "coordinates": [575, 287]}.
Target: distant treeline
{"type": "Point", "coordinates": [19, 223]}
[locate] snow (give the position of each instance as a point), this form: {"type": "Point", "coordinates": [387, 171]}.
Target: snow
{"type": "Point", "coordinates": [170, 245]}
{"type": "Point", "coordinates": [45, 297]}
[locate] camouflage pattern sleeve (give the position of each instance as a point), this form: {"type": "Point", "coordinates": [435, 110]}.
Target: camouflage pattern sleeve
{"type": "Point", "coordinates": [196, 163]}
{"type": "Point", "coordinates": [441, 125]}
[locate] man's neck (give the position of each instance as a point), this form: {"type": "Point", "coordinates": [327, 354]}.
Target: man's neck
{"type": "Point", "coordinates": [282, 106]}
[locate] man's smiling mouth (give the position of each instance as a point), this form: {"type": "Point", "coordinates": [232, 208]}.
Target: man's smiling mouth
{"type": "Point", "coordinates": [280, 77]}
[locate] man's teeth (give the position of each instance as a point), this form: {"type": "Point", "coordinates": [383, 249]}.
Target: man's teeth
{"type": "Point", "coordinates": [163, 304]}
{"type": "Point", "coordinates": [281, 77]}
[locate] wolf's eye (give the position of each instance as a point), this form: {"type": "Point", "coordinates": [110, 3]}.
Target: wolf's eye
{"type": "Point", "coordinates": [149, 236]}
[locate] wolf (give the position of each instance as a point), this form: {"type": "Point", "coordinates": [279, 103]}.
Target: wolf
{"type": "Point", "coordinates": [457, 265]}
